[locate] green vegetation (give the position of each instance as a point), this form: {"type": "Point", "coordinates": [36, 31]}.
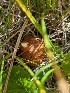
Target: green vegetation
{"type": "Point", "coordinates": [44, 18]}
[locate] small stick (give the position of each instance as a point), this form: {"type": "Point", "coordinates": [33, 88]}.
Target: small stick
{"type": "Point", "coordinates": [14, 54]}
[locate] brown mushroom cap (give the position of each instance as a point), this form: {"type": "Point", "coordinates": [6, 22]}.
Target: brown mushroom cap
{"type": "Point", "coordinates": [33, 49]}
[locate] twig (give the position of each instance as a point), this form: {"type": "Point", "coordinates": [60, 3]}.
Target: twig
{"type": "Point", "coordinates": [14, 54]}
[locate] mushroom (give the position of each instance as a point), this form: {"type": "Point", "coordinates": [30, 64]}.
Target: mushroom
{"type": "Point", "coordinates": [32, 49]}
